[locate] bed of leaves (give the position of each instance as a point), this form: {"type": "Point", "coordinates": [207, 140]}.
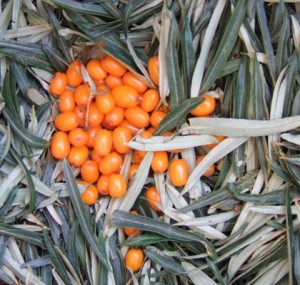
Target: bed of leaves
{"type": "Point", "coordinates": [240, 226]}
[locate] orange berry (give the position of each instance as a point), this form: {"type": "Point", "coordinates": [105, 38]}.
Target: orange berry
{"type": "Point", "coordinates": [73, 73]}
{"type": "Point", "coordinates": [130, 127]}
{"type": "Point", "coordinates": [96, 156]}
{"type": "Point", "coordinates": [205, 108]}
{"type": "Point", "coordinates": [95, 117]}
{"type": "Point", "coordinates": [150, 100]}
{"type": "Point", "coordinates": [160, 161]}
{"type": "Point", "coordinates": [90, 195]}
{"type": "Point", "coordinates": [66, 102]}
{"type": "Point", "coordinates": [125, 96]}
{"type": "Point", "coordinates": [132, 231]}
{"type": "Point", "coordinates": [117, 186]}
{"type": "Point", "coordinates": [78, 155]}
{"type": "Point", "coordinates": [145, 134]}
{"type": "Point", "coordinates": [136, 158]}
{"type": "Point", "coordinates": [132, 170]}
{"type": "Point", "coordinates": [91, 132]}
{"type": "Point", "coordinates": [82, 95]}
{"type": "Point", "coordinates": [113, 118]}
{"type": "Point", "coordinates": [89, 171]}
{"type": "Point", "coordinates": [137, 117]}
{"type": "Point", "coordinates": [112, 66]}
{"type": "Point", "coordinates": [66, 121]}
{"type": "Point", "coordinates": [153, 198]}
{"type": "Point", "coordinates": [210, 171]}
{"type": "Point", "coordinates": [80, 112]}
{"type": "Point", "coordinates": [212, 145]}
{"type": "Point", "coordinates": [178, 172]}
{"type": "Point", "coordinates": [113, 81]}
{"type": "Point", "coordinates": [134, 259]}
{"type": "Point", "coordinates": [105, 103]}
{"type": "Point", "coordinates": [121, 136]}
{"type": "Point", "coordinates": [95, 69]}
{"type": "Point", "coordinates": [130, 79]}
{"type": "Point", "coordinates": [111, 163]}
{"type": "Point", "coordinates": [60, 145]}
{"type": "Point", "coordinates": [103, 142]}
{"type": "Point", "coordinates": [153, 68]}
{"type": "Point", "coordinates": [58, 84]}
{"type": "Point", "coordinates": [156, 118]}
{"type": "Point", "coordinates": [141, 153]}
{"type": "Point", "coordinates": [78, 137]}
{"type": "Point", "coordinates": [102, 185]}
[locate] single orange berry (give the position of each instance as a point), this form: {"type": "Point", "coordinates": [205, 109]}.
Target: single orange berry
{"type": "Point", "coordinates": [153, 68]}
{"type": "Point", "coordinates": [110, 163]}
{"type": "Point", "coordinates": [156, 118]}
{"type": "Point", "coordinates": [112, 66]}
{"type": "Point", "coordinates": [210, 171]}
{"type": "Point", "coordinates": [82, 95]}
{"type": "Point", "coordinates": [90, 195]}
{"type": "Point", "coordinates": [150, 100]}
{"type": "Point", "coordinates": [78, 155]}
{"type": "Point", "coordinates": [105, 103]}
{"type": "Point", "coordinates": [153, 198]}
{"type": "Point", "coordinates": [121, 136]}
{"type": "Point", "coordinates": [212, 145]}
{"type": "Point", "coordinates": [125, 96]}
{"type": "Point", "coordinates": [78, 137]}
{"type": "Point", "coordinates": [80, 112]}
{"type": "Point", "coordinates": [89, 171]}
{"type": "Point", "coordinates": [60, 145]}
{"type": "Point", "coordinates": [113, 118]}
{"type": "Point", "coordinates": [91, 132]}
{"type": "Point", "coordinates": [96, 157]}
{"type": "Point", "coordinates": [178, 172]}
{"type": "Point", "coordinates": [136, 158]}
{"type": "Point", "coordinates": [134, 259]}
{"type": "Point", "coordinates": [205, 108]}
{"type": "Point", "coordinates": [102, 185]}
{"type": "Point", "coordinates": [103, 142]}
{"type": "Point", "coordinates": [113, 81]}
{"type": "Point", "coordinates": [137, 117]}
{"type": "Point", "coordinates": [73, 73]}
{"type": "Point", "coordinates": [58, 84]}
{"type": "Point", "coordinates": [160, 161]}
{"type": "Point", "coordinates": [145, 134]}
{"type": "Point", "coordinates": [117, 186]}
{"type": "Point", "coordinates": [95, 117]}
{"type": "Point", "coordinates": [141, 153]}
{"type": "Point", "coordinates": [66, 102]}
{"type": "Point", "coordinates": [130, 79]}
{"type": "Point", "coordinates": [132, 231]}
{"type": "Point", "coordinates": [66, 121]}
{"type": "Point", "coordinates": [130, 127]}
{"type": "Point", "coordinates": [132, 170]}
{"type": "Point", "coordinates": [95, 69]}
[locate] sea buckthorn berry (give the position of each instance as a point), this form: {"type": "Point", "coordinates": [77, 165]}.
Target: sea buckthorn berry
{"type": "Point", "coordinates": [210, 171]}
{"type": "Point", "coordinates": [90, 195]}
{"type": "Point", "coordinates": [132, 231]}
{"type": "Point", "coordinates": [121, 136]}
{"type": "Point", "coordinates": [89, 171]}
{"type": "Point", "coordinates": [95, 117]}
{"type": "Point", "coordinates": [105, 103]}
{"type": "Point", "coordinates": [91, 132]}
{"type": "Point", "coordinates": [135, 82]}
{"type": "Point", "coordinates": [160, 161]}
{"type": "Point", "coordinates": [110, 163]}
{"type": "Point", "coordinates": [132, 170]}
{"type": "Point", "coordinates": [153, 198]}
{"type": "Point", "coordinates": [112, 66]}
{"type": "Point", "coordinates": [137, 117]}
{"type": "Point", "coordinates": [78, 137]}
{"type": "Point", "coordinates": [130, 127]}
{"type": "Point", "coordinates": [96, 157]}
{"type": "Point", "coordinates": [157, 117]}
{"type": "Point", "coordinates": [117, 186]}
{"type": "Point", "coordinates": [113, 81]}
{"type": "Point", "coordinates": [73, 73]}
{"type": "Point", "coordinates": [80, 112]}
{"type": "Point", "coordinates": [212, 145]}
{"type": "Point", "coordinates": [136, 158]}
{"type": "Point", "coordinates": [103, 142]}
{"type": "Point", "coordinates": [102, 185]}
{"type": "Point", "coordinates": [178, 172]}
{"type": "Point", "coordinates": [60, 145]}
{"type": "Point", "coordinates": [141, 153]}
{"type": "Point", "coordinates": [151, 130]}
{"type": "Point", "coordinates": [66, 102]}
{"type": "Point", "coordinates": [66, 121]}
{"type": "Point", "coordinates": [153, 68]}
{"type": "Point", "coordinates": [125, 96]}
{"type": "Point", "coordinates": [205, 108]}
{"type": "Point", "coordinates": [113, 118]}
{"type": "Point", "coordinates": [82, 95]}
{"type": "Point", "coordinates": [58, 84]}
{"type": "Point", "coordinates": [145, 134]}
{"type": "Point", "coordinates": [134, 259]}
{"type": "Point", "coordinates": [95, 69]}
{"type": "Point", "coordinates": [150, 100]}
{"type": "Point", "coordinates": [78, 155]}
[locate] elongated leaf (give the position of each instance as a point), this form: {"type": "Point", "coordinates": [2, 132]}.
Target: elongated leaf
{"type": "Point", "coordinates": [143, 240]}
{"type": "Point", "coordinates": [197, 275]}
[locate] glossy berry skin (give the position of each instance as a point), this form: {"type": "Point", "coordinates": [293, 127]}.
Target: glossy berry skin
{"type": "Point", "coordinates": [205, 108]}
{"type": "Point", "coordinates": [80, 112]}
{"type": "Point", "coordinates": [121, 136]}
{"type": "Point", "coordinates": [73, 73]}
{"type": "Point", "coordinates": [66, 121]}
{"type": "Point", "coordinates": [113, 81]}
{"type": "Point", "coordinates": [105, 103]}
{"type": "Point", "coordinates": [134, 259]}
{"type": "Point", "coordinates": [78, 137]}
{"type": "Point", "coordinates": [58, 84]}
{"type": "Point", "coordinates": [111, 163]}
{"type": "Point", "coordinates": [95, 117]}
{"type": "Point", "coordinates": [130, 79]}
{"type": "Point", "coordinates": [112, 66]}
{"type": "Point", "coordinates": [102, 185]}
{"type": "Point", "coordinates": [96, 157]}
{"type": "Point", "coordinates": [160, 161]}
{"type": "Point", "coordinates": [153, 68]}
{"type": "Point", "coordinates": [95, 69]}
{"type": "Point", "coordinates": [90, 195]}
{"type": "Point", "coordinates": [91, 132]}
{"type": "Point", "coordinates": [132, 171]}
{"type": "Point", "coordinates": [178, 172]}
{"type": "Point", "coordinates": [60, 145]}
{"type": "Point", "coordinates": [125, 96]}
{"type": "Point", "coordinates": [89, 171]}
{"type": "Point", "coordinates": [113, 118]}
{"type": "Point", "coordinates": [129, 126]}
{"type": "Point", "coordinates": [66, 102]}
{"type": "Point", "coordinates": [153, 198]}
{"type": "Point", "coordinates": [137, 117]}
{"type": "Point", "coordinates": [150, 100]}
{"type": "Point", "coordinates": [157, 117]}
{"type": "Point", "coordinates": [132, 231]}
{"type": "Point", "coordinates": [210, 171]}
{"type": "Point", "coordinates": [117, 186]}
{"type": "Point", "coordinates": [103, 142]}
{"type": "Point", "coordinates": [78, 155]}
{"type": "Point", "coordinates": [82, 95]}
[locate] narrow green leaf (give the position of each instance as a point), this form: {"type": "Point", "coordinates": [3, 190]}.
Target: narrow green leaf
{"type": "Point", "coordinates": [72, 249]}
{"type": "Point", "coordinates": [56, 58]}
{"type": "Point", "coordinates": [46, 274]}
{"type": "Point", "coordinates": [230, 67]}
{"type": "Point", "coordinates": [297, 258]}
{"type": "Point", "coordinates": [38, 262]}
{"type": "Point", "coordinates": [216, 272]}
{"type": "Point", "coordinates": [3, 240]}
{"type": "Point", "coordinates": [143, 240]}
{"type": "Point", "coordinates": [8, 203]}
{"type": "Point", "coordinates": [131, 5]}
{"type": "Point", "coordinates": [176, 116]}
